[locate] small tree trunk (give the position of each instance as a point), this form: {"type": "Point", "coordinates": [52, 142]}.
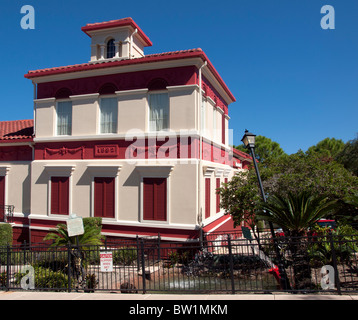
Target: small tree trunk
{"type": "Point", "coordinates": [298, 246]}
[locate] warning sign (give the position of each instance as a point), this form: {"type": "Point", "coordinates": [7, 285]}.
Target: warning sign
{"type": "Point", "coordinates": [106, 259]}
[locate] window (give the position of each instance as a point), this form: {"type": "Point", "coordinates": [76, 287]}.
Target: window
{"type": "Point", "coordinates": [64, 118]}
{"type": "Point", "coordinates": [207, 198]}
{"type": "Point", "coordinates": [111, 49]}
{"type": "Point", "coordinates": [155, 199]}
{"type": "Point", "coordinates": [109, 113]}
{"type": "Point", "coordinates": [104, 197]}
{"type": "Point", "coordinates": [158, 111]}
{"type": "Point", "coordinates": [60, 195]}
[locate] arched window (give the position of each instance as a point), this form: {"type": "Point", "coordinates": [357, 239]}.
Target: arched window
{"type": "Point", "coordinates": [111, 49]}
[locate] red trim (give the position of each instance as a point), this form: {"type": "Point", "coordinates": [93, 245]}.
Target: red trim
{"type": "Point", "coordinates": [186, 75]}
{"type": "Point", "coordinates": [2, 197]}
{"type": "Point", "coordinates": [15, 153]}
{"type": "Point", "coordinates": [215, 226]}
{"type": "Point", "coordinates": [122, 231]}
{"type": "Point", "coordinates": [168, 56]}
{"type": "Point", "coordinates": [115, 24]}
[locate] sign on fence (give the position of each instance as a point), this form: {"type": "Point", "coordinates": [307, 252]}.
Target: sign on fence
{"type": "Point", "coordinates": [106, 259]}
{"type": "Point", "coordinates": [75, 226]}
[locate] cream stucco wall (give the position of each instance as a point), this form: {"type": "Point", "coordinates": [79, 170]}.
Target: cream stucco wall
{"type": "Point", "coordinates": [181, 188]}
{"type": "Point", "coordinates": [17, 185]}
{"type": "Point", "coordinates": [133, 112]}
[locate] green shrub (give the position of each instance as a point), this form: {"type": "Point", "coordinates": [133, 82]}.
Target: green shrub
{"type": "Point", "coordinates": [124, 255]}
{"type": "Point", "coordinates": [46, 278]}
{"type": "Point", "coordinates": [5, 234]}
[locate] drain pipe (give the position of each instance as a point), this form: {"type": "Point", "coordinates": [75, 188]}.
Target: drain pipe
{"type": "Point", "coordinates": [131, 46]}
{"type": "Point", "coordinates": [200, 169]}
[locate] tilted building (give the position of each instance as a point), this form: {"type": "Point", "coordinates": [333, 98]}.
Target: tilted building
{"type": "Point", "coordinates": [139, 140]}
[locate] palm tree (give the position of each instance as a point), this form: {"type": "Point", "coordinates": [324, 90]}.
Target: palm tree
{"type": "Point", "coordinates": [60, 237]}
{"type": "Point", "coordinates": [295, 213]}
{"type": "Point", "coordinates": [78, 246]}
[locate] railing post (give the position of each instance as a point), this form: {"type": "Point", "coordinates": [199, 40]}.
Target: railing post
{"type": "Point", "coordinates": [158, 246]}
{"type": "Point", "coordinates": [69, 266]}
{"type": "Point", "coordinates": [143, 265]}
{"type": "Point", "coordinates": [231, 262]}
{"type": "Point", "coordinates": [8, 264]}
{"type": "Point", "coordinates": [138, 257]}
{"type": "Point", "coordinates": [334, 260]}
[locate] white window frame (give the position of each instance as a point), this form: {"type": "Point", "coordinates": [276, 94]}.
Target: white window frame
{"type": "Point", "coordinates": [149, 109]}
{"type": "Point", "coordinates": [56, 127]}
{"type": "Point", "coordinates": [114, 97]}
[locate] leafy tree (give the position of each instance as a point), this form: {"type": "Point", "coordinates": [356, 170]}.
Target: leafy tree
{"type": "Point", "coordinates": [349, 156]}
{"type": "Point", "coordinates": [240, 197]}
{"type": "Point", "coordinates": [327, 148]}
{"type": "Point", "coordinates": [265, 148]}
{"type": "Point", "coordinates": [289, 174]}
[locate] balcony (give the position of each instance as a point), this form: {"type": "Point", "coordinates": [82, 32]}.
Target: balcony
{"type": "Point", "coordinates": [7, 213]}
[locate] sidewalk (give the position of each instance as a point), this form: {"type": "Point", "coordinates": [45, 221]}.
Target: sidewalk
{"type": "Point", "coordinates": [24, 295]}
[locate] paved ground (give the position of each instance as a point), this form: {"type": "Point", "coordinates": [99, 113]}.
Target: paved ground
{"type": "Point", "coordinates": [24, 295]}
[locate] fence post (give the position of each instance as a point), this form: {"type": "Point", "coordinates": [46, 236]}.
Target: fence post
{"type": "Point", "coordinates": [69, 266]}
{"type": "Point", "coordinates": [231, 260]}
{"type": "Point", "coordinates": [8, 263]}
{"type": "Point", "coordinates": [334, 260]}
{"type": "Point", "coordinates": [158, 246]}
{"type": "Point", "coordinates": [24, 252]}
{"type": "Point", "coordinates": [138, 258]}
{"type": "Point", "coordinates": [143, 265]}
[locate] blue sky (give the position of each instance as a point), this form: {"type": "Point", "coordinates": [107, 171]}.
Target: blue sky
{"type": "Point", "coordinates": [294, 82]}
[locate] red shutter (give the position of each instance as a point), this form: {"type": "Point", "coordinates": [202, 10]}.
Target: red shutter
{"type": "Point", "coordinates": [2, 197]}
{"type": "Point", "coordinates": [207, 198]}
{"type": "Point", "coordinates": [148, 199]}
{"type": "Point", "coordinates": [109, 197]}
{"type": "Point", "coordinates": [160, 213]}
{"type": "Point", "coordinates": [155, 199]}
{"type": "Point", "coordinates": [217, 195]}
{"type": "Point", "coordinates": [223, 129]}
{"type": "Point", "coordinates": [104, 197]}
{"type": "Point", "coordinates": [60, 195]}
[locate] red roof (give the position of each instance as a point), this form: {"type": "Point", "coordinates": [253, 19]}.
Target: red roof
{"type": "Point", "coordinates": [174, 55]}
{"type": "Point", "coordinates": [16, 130]}
{"type": "Point", "coordinates": [115, 24]}
{"type": "Point", "coordinates": [241, 154]}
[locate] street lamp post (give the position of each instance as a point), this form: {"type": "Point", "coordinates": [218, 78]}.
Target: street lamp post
{"type": "Point", "coordinates": [249, 142]}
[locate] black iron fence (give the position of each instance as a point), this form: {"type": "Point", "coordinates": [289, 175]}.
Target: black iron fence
{"type": "Point", "coordinates": [219, 264]}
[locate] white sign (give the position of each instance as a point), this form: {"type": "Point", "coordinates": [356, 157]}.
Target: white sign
{"type": "Point", "coordinates": [75, 226]}
{"type": "Point", "coordinates": [106, 259]}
